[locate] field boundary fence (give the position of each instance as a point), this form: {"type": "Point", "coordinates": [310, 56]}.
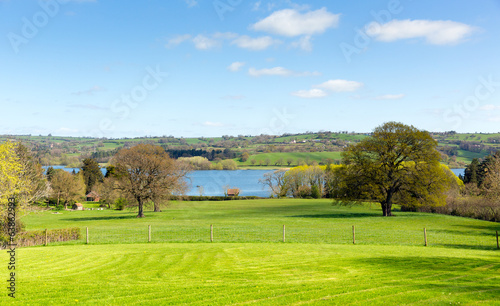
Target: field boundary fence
{"type": "Point", "coordinates": [282, 233]}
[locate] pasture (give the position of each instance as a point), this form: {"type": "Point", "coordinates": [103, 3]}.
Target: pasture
{"type": "Point", "coordinates": [248, 263]}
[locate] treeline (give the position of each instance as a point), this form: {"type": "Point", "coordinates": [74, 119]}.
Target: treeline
{"type": "Point", "coordinates": [480, 198]}
{"type": "Point", "coordinates": [211, 155]}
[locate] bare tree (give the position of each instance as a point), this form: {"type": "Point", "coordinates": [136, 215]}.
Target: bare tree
{"type": "Point", "coordinates": [276, 182]}
{"type": "Point", "coordinates": [146, 172]}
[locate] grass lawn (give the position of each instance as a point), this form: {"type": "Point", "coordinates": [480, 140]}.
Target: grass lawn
{"type": "Point", "coordinates": [258, 274]}
{"type": "Point", "coordinates": [249, 264]}
{"type": "Point", "coordinates": [306, 221]}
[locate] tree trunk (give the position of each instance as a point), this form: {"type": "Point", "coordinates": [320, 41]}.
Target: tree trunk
{"type": "Point", "coordinates": [157, 207]}
{"type": "Point", "coordinates": [387, 205]}
{"type": "Point", "coordinates": [141, 213]}
{"type": "Point", "coordinates": [66, 204]}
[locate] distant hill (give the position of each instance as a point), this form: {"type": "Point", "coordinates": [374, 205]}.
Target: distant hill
{"type": "Point", "coordinates": [263, 151]}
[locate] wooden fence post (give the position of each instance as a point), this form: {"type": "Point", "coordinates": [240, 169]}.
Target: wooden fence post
{"type": "Point", "coordinates": [284, 233]}
{"type": "Point", "coordinates": [46, 238]}
{"type": "Point", "coordinates": [353, 234]}
{"type": "Point", "coordinates": [211, 233]}
{"type": "Point", "coordinates": [498, 245]}
{"type": "Point", "coordinates": [87, 235]}
{"type": "Point", "coordinates": [149, 233]}
{"type": "Point", "coordinates": [425, 236]}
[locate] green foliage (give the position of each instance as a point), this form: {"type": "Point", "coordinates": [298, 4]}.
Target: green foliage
{"type": "Point", "coordinates": [315, 193]}
{"type": "Point", "coordinates": [399, 163]}
{"type": "Point", "coordinates": [121, 203]}
{"type": "Point", "coordinates": [91, 173]}
{"type": "Point", "coordinates": [33, 238]}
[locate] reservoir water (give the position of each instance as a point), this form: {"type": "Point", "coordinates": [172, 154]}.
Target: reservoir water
{"type": "Point", "coordinates": [213, 182]}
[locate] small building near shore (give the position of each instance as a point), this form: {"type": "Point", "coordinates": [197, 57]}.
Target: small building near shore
{"type": "Point", "coordinates": [234, 192]}
{"type": "Point", "coordinates": [93, 197]}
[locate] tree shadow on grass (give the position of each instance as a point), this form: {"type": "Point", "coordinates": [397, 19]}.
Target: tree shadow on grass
{"type": "Point", "coordinates": [492, 247]}
{"type": "Point", "coordinates": [101, 218]}
{"type": "Point", "coordinates": [463, 233]}
{"type": "Point", "coordinates": [343, 215]}
{"type": "Point", "coordinates": [492, 226]}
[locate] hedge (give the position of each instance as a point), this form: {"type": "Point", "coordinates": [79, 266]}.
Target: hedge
{"type": "Point", "coordinates": [32, 238]}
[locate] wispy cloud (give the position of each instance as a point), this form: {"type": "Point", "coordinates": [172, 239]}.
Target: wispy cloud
{"type": "Point", "coordinates": [439, 32]}
{"type": "Point", "coordinates": [340, 85]}
{"type": "Point", "coordinates": [236, 66]}
{"type": "Point", "coordinates": [279, 71]}
{"type": "Point", "coordinates": [303, 43]}
{"type": "Point", "coordinates": [255, 44]}
{"type": "Point", "coordinates": [177, 40]}
{"type": "Point", "coordinates": [489, 107]}
{"type": "Point", "coordinates": [323, 89]}
{"type": "Point", "coordinates": [89, 91]}
{"type": "Point", "coordinates": [191, 3]}
{"type": "Point", "coordinates": [202, 42]}
{"type": "Point", "coordinates": [310, 94]}
{"type": "Point", "coordinates": [88, 106]}
{"type": "Point", "coordinates": [213, 124]}
{"type": "Point", "coordinates": [206, 42]}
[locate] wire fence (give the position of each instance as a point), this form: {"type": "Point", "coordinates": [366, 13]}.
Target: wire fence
{"type": "Point", "coordinates": [279, 233]}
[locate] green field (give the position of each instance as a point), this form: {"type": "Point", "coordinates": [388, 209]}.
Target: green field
{"type": "Point", "coordinates": [295, 156]}
{"type": "Point", "coordinates": [248, 262]}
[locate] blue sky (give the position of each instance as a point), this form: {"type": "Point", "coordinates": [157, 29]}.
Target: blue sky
{"type": "Point", "coordinates": [229, 67]}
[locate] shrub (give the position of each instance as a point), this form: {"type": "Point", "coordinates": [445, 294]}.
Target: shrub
{"type": "Point", "coordinates": [315, 193]}
{"type": "Point", "coordinates": [121, 203]}
{"type": "Point", "coordinates": [32, 238]}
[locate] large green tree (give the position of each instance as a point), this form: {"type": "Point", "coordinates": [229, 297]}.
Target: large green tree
{"type": "Point", "coordinates": [399, 163]}
{"type": "Point", "coordinates": [91, 174]}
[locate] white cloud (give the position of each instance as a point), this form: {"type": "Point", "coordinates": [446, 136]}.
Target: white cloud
{"type": "Point", "coordinates": [279, 71]}
{"type": "Point", "coordinates": [202, 42]}
{"type": "Point", "coordinates": [340, 85]}
{"type": "Point", "coordinates": [439, 32]}
{"type": "Point", "coordinates": [308, 94]}
{"type": "Point", "coordinates": [225, 35]}
{"type": "Point", "coordinates": [303, 43]}
{"type": "Point", "coordinates": [290, 22]}
{"type": "Point", "coordinates": [490, 107]}
{"type": "Point", "coordinates": [177, 40]}
{"type": "Point", "coordinates": [260, 43]}
{"type": "Point", "coordinates": [213, 124]}
{"type": "Point", "coordinates": [390, 97]}
{"type": "Point", "coordinates": [236, 66]}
